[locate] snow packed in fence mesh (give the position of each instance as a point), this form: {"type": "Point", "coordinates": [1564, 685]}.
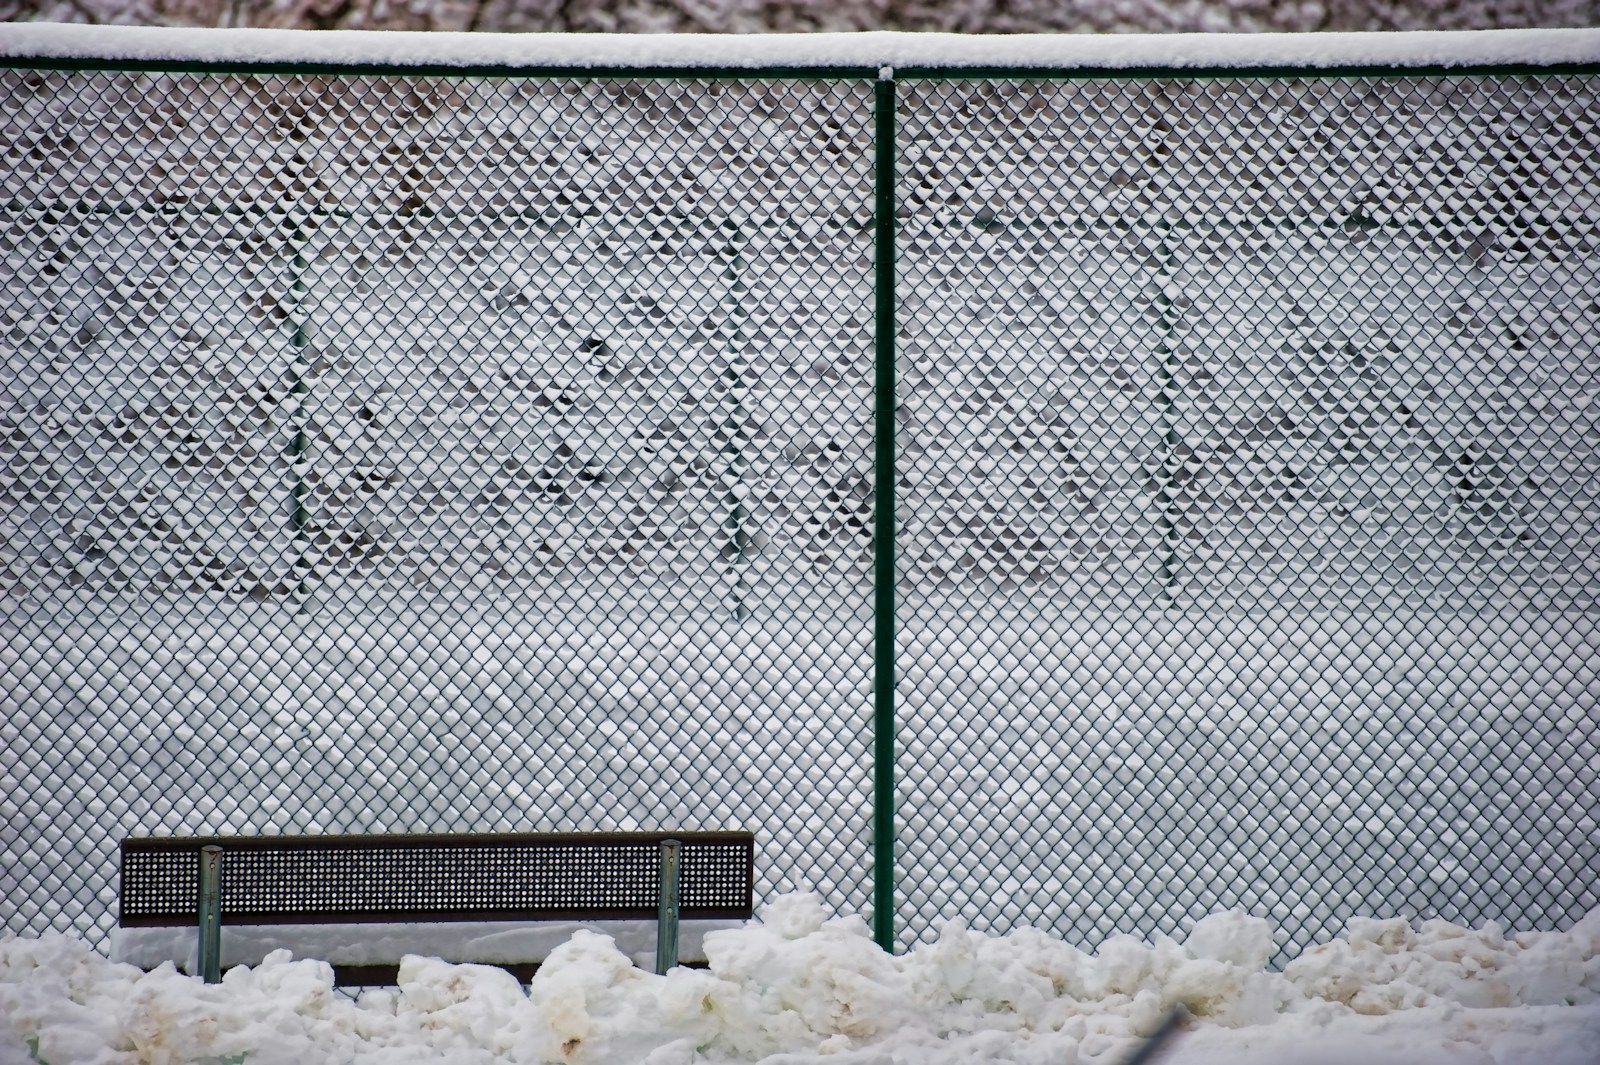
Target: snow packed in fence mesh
{"type": "Point", "coordinates": [1454, 48]}
{"type": "Point", "coordinates": [441, 454]}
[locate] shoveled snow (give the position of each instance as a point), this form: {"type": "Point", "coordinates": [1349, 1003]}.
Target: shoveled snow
{"type": "Point", "coordinates": [799, 984]}
{"type": "Point", "coordinates": [864, 50]}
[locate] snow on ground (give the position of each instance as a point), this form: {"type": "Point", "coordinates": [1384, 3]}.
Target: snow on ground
{"type": "Point", "coordinates": [799, 984]}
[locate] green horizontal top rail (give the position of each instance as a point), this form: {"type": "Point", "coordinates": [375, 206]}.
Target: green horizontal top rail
{"type": "Point", "coordinates": [443, 70]}
{"type": "Point", "coordinates": [795, 73]}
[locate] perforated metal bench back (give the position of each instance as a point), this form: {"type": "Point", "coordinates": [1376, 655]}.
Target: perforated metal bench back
{"type": "Point", "coordinates": [533, 876]}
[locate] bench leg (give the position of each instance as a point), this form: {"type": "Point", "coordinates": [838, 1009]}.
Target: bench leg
{"type": "Point", "coordinates": [211, 914]}
{"type": "Point", "coordinates": [667, 906]}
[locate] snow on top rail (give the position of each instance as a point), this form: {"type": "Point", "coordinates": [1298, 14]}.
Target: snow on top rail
{"type": "Point", "coordinates": [870, 52]}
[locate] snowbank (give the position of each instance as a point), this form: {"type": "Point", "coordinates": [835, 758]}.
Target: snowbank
{"type": "Point", "coordinates": [799, 983]}
{"type": "Point", "coordinates": [862, 50]}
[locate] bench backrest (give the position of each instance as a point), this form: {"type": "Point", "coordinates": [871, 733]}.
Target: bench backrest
{"type": "Point", "coordinates": [483, 877]}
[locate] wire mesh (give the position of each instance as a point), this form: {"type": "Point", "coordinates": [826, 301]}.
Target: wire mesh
{"type": "Point", "coordinates": [1249, 544]}
{"type": "Point", "coordinates": [432, 455]}
{"type": "Point", "coordinates": [420, 878]}
{"type": "Point", "coordinates": [469, 454]}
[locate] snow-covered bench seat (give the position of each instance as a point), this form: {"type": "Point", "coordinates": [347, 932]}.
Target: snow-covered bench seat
{"type": "Point", "coordinates": [360, 902]}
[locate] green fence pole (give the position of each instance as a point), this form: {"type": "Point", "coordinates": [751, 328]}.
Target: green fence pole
{"type": "Point", "coordinates": [883, 533]}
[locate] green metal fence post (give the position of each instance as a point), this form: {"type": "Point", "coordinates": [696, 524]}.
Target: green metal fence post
{"type": "Point", "coordinates": [883, 534]}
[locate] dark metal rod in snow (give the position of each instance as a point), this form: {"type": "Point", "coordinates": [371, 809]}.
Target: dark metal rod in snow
{"type": "Point", "coordinates": [1159, 1038]}
{"type": "Point", "coordinates": [211, 914]}
{"type": "Point", "coordinates": [667, 906]}
{"type": "Point", "coordinates": [883, 512]}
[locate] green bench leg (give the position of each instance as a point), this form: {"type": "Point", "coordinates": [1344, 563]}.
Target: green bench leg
{"type": "Point", "coordinates": [667, 906]}
{"type": "Point", "coordinates": [211, 914]}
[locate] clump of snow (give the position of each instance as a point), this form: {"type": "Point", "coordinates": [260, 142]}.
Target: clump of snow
{"type": "Point", "coordinates": [1381, 966]}
{"type": "Point", "coordinates": [803, 983]}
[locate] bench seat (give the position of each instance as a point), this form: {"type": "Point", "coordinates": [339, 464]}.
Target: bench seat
{"type": "Point", "coordinates": [361, 902]}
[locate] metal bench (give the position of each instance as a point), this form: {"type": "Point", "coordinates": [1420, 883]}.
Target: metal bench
{"type": "Point", "coordinates": [206, 883]}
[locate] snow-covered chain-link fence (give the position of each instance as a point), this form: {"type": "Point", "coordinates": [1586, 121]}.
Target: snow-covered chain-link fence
{"type": "Point", "coordinates": [450, 452]}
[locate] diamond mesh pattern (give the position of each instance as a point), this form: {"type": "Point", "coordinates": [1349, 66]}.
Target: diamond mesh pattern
{"type": "Point", "coordinates": [432, 456]}
{"type": "Point", "coordinates": [447, 455]}
{"type": "Point", "coordinates": [1249, 541]}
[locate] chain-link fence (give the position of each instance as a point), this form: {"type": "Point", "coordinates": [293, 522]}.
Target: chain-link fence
{"type": "Point", "coordinates": [488, 453]}
{"type": "Point", "coordinates": [1249, 554]}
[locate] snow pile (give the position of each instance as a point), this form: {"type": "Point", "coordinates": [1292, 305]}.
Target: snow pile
{"type": "Point", "coordinates": [800, 982]}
